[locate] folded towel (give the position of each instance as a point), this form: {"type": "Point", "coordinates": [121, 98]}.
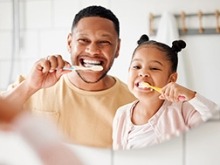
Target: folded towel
{"type": "Point", "coordinates": [167, 32]}
{"type": "Point", "coordinates": [167, 29]}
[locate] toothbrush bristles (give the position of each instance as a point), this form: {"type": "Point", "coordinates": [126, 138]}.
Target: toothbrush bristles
{"type": "Point", "coordinates": [144, 84]}
{"type": "Point", "coordinates": [96, 68]}
{"type": "Point", "coordinates": [93, 68]}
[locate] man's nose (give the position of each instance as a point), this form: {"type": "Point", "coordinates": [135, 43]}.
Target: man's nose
{"type": "Point", "coordinates": [92, 49]}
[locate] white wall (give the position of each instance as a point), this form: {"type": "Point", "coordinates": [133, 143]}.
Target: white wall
{"type": "Point", "coordinates": [44, 25]}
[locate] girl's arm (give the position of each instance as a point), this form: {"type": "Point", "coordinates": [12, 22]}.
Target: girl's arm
{"type": "Point", "coordinates": [204, 106]}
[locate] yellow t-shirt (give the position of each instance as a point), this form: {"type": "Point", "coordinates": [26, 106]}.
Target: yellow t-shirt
{"type": "Point", "coordinates": [84, 117]}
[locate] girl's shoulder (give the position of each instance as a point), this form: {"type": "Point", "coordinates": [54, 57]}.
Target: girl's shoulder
{"type": "Point", "coordinates": [125, 109]}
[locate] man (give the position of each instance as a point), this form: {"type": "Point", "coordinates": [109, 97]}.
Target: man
{"type": "Point", "coordinates": [82, 102]}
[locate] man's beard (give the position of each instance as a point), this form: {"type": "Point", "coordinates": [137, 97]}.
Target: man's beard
{"type": "Point", "coordinates": [91, 82]}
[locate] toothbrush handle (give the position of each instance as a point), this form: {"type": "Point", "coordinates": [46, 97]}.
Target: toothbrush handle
{"type": "Point", "coordinates": [74, 67]}
{"type": "Point", "coordinates": [181, 98]}
{"type": "Point", "coordinates": [156, 88]}
{"type": "Point", "coordinates": [71, 68]}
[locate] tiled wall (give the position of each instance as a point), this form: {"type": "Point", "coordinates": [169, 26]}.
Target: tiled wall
{"type": "Point", "coordinates": [44, 26]}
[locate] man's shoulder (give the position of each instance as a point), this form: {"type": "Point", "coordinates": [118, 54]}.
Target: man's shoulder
{"type": "Point", "coordinates": [18, 80]}
{"type": "Point", "coordinates": [122, 86]}
{"type": "Point", "coordinates": [120, 83]}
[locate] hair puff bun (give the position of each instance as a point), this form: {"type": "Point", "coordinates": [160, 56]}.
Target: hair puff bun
{"type": "Point", "coordinates": [178, 45]}
{"type": "Point", "coordinates": [142, 39]}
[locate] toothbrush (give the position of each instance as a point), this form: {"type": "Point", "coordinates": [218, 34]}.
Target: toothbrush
{"type": "Point", "coordinates": [145, 84]}
{"type": "Point", "coordinates": [92, 68]}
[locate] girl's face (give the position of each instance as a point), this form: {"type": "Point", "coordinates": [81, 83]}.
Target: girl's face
{"type": "Point", "coordinates": [150, 65]}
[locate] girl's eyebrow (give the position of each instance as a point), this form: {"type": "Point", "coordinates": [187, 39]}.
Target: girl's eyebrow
{"type": "Point", "coordinates": [135, 59]}
{"type": "Point", "coordinates": [153, 61]}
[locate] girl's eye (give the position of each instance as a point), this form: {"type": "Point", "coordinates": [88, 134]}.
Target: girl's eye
{"type": "Point", "coordinates": [136, 67]}
{"type": "Point", "coordinates": [153, 68]}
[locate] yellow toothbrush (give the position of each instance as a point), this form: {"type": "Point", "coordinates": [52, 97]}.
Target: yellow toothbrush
{"type": "Point", "coordinates": [145, 84]}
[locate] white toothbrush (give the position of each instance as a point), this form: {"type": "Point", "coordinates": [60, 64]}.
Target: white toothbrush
{"type": "Point", "coordinates": [92, 68]}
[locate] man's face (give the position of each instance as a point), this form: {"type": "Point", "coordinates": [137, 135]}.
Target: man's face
{"type": "Point", "coordinates": [93, 41]}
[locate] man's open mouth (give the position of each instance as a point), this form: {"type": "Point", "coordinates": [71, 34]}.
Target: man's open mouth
{"type": "Point", "coordinates": [89, 63]}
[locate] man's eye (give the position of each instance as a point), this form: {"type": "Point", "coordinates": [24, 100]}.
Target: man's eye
{"type": "Point", "coordinates": [104, 43]}
{"type": "Point", "coordinates": [83, 41]}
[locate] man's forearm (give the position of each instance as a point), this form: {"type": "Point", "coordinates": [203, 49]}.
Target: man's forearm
{"type": "Point", "coordinates": [12, 100]}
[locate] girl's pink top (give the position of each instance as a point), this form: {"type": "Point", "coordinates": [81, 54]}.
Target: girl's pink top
{"type": "Point", "coordinates": [170, 120]}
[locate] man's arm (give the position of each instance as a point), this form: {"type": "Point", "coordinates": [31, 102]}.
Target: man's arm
{"type": "Point", "coordinates": [12, 100]}
{"type": "Point", "coordinates": [45, 73]}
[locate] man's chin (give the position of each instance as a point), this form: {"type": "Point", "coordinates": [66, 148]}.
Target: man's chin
{"type": "Point", "coordinates": [91, 79]}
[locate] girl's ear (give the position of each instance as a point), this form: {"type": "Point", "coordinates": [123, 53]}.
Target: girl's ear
{"type": "Point", "coordinates": [173, 77]}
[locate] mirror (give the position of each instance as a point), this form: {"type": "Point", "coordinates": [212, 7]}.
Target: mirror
{"type": "Point", "coordinates": [198, 146]}
{"type": "Point", "coordinates": [200, 59]}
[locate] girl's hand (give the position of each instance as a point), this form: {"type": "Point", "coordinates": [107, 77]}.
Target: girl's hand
{"type": "Point", "coordinates": [174, 92]}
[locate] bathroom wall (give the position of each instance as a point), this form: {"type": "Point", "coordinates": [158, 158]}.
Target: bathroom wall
{"type": "Point", "coordinates": [43, 27]}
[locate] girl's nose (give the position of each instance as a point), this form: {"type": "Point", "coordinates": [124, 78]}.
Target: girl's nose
{"type": "Point", "coordinates": [142, 74]}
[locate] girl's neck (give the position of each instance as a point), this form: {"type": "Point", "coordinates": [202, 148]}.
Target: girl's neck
{"type": "Point", "coordinates": [144, 110]}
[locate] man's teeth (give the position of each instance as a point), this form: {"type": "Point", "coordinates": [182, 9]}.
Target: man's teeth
{"type": "Point", "coordinates": [88, 63]}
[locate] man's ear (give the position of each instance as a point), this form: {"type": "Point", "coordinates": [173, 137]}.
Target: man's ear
{"type": "Point", "coordinates": [173, 77]}
{"type": "Point", "coordinates": [118, 48]}
{"type": "Point", "coordinates": [69, 41]}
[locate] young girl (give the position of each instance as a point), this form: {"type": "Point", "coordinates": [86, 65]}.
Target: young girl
{"type": "Point", "coordinates": [157, 116]}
